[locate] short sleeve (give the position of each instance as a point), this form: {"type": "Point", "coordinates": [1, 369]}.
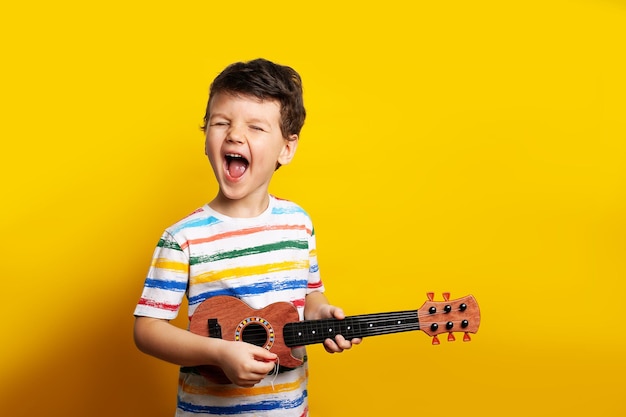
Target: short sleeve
{"type": "Point", "coordinates": [314, 281]}
{"type": "Point", "coordinates": [167, 280]}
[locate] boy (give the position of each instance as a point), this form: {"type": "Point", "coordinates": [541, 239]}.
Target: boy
{"type": "Point", "coordinates": [244, 243]}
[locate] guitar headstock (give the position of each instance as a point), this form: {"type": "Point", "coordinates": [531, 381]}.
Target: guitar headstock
{"type": "Point", "coordinates": [449, 316]}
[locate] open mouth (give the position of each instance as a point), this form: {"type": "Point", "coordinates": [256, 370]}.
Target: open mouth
{"type": "Point", "coordinates": [236, 165]}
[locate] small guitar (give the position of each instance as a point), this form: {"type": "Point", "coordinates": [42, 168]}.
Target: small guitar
{"type": "Point", "coordinates": [277, 327]}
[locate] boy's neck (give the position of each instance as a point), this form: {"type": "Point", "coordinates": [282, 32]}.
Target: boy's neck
{"type": "Point", "coordinates": [243, 208]}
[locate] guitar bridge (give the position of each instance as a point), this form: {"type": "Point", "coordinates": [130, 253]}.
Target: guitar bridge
{"type": "Point", "coordinates": [215, 330]}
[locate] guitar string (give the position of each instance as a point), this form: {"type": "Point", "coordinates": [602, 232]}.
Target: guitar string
{"type": "Point", "coordinates": [371, 333]}
{"type": "Point", "coordinates": [322, 324]}
{"type": "Point", "coordinates": [375, 331]}
{"type": "Point", "coordinates": [374, 319]}
{"type": "Point", "coordinates": [354, 320]}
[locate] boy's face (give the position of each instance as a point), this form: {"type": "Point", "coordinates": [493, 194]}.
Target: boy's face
{"type": "Point", "coordinates": [244, 142]}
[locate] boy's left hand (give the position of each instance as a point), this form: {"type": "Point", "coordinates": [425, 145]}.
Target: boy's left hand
{"type": "Point", "coordinates": [340, 343]}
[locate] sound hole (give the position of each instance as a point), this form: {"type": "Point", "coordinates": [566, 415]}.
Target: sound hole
{"type": "Point", "coordinates": [255, 334]}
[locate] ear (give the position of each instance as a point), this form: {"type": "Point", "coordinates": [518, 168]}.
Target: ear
{"type": "Point", "coordinates": [289, 150]}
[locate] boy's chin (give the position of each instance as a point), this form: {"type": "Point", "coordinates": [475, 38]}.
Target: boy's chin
{"type": "Point", "coordinates": [235, 195]}
{"type": "Point", "coordinates": [230, 196]}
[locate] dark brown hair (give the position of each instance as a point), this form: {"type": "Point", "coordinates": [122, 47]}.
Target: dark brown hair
{"type": "Point", "coordinates": [265, 80]}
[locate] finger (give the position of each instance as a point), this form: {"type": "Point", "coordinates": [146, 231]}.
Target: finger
{"type": "Point", "coordinates": [356, 341]}
{"type": "Point", "coordinates": [264, 355]}
{"type": "Point", "coordinates": [338, 313]}
{"type": "Point", "coordinates": [252, 378]}
{"type": "Point", "coordinates": [268, 357]}
{"type": "Point", "coordinates": [247, 384]}
{"type": "Point", "coordinates": [331, 346]}
{"type": "Point", "coordinates": [342, 343]}
{"type": "Point", "coordinates": [246, 380]}
{"type": "Point", "coordinates": [262, 368]}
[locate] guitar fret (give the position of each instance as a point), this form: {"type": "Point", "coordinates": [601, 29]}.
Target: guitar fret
{"type": "Point", "coordinates": [316, 331]}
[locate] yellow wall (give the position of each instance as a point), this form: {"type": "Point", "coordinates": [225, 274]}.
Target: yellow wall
{"type": "Point", "coordinates": [472, 147]}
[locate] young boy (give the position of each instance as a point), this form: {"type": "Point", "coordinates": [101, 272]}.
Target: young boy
{"type": "Point", "coordinates": [244, 243]}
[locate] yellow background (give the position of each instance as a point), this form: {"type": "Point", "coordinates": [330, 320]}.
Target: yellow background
{"type": "Point", "coordinates": [471, 147]}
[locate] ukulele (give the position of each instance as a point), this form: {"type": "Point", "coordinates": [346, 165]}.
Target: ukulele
{"type": "Point", "coordinates": [278, 328]}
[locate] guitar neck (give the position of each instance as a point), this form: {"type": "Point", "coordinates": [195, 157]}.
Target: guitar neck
{"type": "Point", "coordinates": [316, 331]}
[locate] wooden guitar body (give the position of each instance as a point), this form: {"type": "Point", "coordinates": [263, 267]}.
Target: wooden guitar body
{"type": "Point", "coordinates": [240, 323]}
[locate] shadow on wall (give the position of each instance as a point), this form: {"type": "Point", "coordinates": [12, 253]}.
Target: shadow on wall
{"type": "Point", "coordinates": [97, 372]}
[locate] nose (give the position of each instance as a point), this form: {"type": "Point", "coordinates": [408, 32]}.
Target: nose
{"type": "Point", "coordinates": [236, 134]}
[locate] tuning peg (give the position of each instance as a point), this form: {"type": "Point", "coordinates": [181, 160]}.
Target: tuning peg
{"type": "Point", "coordinates": [466, 337]}
{"type": "Point", "coordinates": [446, 296]}
{"type": "Point", "coordinates": [435, 340]}
{"type": "Point", "coordinates": [430, 295]}
{"type": "Point", "coordinates": [451, 337]}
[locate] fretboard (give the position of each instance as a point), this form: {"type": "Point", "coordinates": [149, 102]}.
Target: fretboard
{"type": "Point", "coordinates": [316, 331]}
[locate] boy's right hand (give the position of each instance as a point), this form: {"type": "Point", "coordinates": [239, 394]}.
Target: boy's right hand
{"type": "Point", "coordinates": [246, 364]}
{"type": "Point", "coordinates": [243, 363]}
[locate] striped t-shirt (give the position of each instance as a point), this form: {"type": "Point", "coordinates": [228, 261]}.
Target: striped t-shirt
{"type": "Point", "coordinates": [260, 260]}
